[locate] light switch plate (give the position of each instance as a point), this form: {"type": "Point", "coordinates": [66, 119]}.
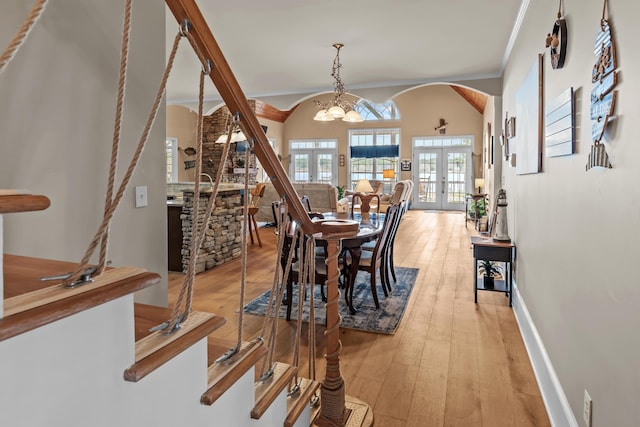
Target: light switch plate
{"type": "Point", "coordinates": [141, 196]}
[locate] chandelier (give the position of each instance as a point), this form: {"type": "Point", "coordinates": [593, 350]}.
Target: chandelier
{"type": "Point", "coordinates": [339, 107]}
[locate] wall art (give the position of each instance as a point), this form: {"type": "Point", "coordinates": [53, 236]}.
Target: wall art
{"type": "Point", "coordinates": [603, 98]}
{"type": "Point", "coordinates": [559, 131]}
{"type": "Point", "coordinates": [556, 40]}
{"type": "Point", "coordinates": [528, 147]}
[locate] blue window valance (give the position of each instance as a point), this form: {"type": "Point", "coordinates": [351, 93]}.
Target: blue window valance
{"type": "Point", "coordinates": [374, 151]}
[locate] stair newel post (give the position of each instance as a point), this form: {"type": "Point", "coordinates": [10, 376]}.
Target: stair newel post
{"type": "Point", "coordinates": [332, 391]}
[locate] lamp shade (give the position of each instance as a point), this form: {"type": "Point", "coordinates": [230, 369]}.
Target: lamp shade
{"type": "Point", "coordinates": [352, 117]}
{"type": "Point", "coordinates": [388, 173]}
{"type": "Point", "coordinates": [322, 116]}
{"type": "Point", "coordinates": [479, 183]}
{"type": "Point", "coordinates": [238, 137]}
{"type": "Point", "coordinates": [363, 186]}
{"type": "Point", "coordinates": [336, 112]}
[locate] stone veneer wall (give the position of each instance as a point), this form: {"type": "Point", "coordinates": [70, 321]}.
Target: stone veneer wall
{"type": "Point", "coordinates": [212, 127]}
{"type": "Point", "coordinates": [224, 232]}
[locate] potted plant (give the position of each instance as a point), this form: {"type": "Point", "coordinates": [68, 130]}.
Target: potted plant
{"type": "Point", "coordinates": [340, 189]}
{"type": "Point", "coordinates": [489, 269]}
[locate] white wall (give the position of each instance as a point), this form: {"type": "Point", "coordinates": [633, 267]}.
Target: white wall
{"type": "Point", "coordinates": [576, 231]}
{"type": "Point", "coordinates": [56, 116]}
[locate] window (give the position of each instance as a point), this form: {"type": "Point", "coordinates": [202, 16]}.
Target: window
{"type": "Point", "coordinates": [370, 111]}
{"type": "Point", "coordinates": [172, 159]}
{"type": "Point", "coordinates": [442, 141]}
{"type": "Point", "coordinates": [372, 151]}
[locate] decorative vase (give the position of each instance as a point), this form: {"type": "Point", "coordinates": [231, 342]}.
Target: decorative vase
{"type": "Point", "coordinates": [488, 282]}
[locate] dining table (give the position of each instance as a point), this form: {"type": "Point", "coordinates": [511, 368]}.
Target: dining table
{"type": "Point", "coordinates": [369, 228]}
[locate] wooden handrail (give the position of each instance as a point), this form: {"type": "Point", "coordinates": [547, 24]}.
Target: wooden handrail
{"type": "Point", "coordinates": [207, 49]}
{"type": "Point", "coordinates": [23, 203]}
{"type": "Point", "coordinates": [233, 96]}
{"type": "Point", "coordinates": [223, 78]}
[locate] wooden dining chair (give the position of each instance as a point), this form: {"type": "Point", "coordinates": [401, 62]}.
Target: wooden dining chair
{"type": "Point", "coordinates": [388, 266]}
{"type": "Point", "coordinates": [257, 193]}
{"type": "Point", "coordinates": [387, 256]}
{"type": "Point", "coordinates": [372, 261]}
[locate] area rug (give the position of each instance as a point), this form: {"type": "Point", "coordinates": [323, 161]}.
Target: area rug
{"type": "Point", "coordinates": [384, 320]}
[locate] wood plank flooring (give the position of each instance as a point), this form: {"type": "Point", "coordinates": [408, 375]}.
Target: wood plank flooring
{"type": "Point", "coordinates": [450, 363]}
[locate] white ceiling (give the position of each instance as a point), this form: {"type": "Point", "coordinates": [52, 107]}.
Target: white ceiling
{"type": "Point", "coordinates": [284, 47]}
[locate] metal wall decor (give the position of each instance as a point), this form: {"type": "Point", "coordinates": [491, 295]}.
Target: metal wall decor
{"type": "Point", "coordinates": [442, 127]}
{"type": "Point", "coordinates": [603, 98]}
{"type": "Point", "coordinates": [556, 41]}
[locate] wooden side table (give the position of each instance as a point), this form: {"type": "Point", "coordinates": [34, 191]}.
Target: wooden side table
{"type": "Point", "coordinates": [486, 249]}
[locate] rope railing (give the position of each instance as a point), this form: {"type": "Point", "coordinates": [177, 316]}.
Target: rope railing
{"type": "Point", "coordinates": [117, 129]}
{"type": "Point", "coordinates": [333, 390]}
{"type": "Point", "coordinates": [110, 210]}
{"type": "Point", "coordinates": [22, 34]}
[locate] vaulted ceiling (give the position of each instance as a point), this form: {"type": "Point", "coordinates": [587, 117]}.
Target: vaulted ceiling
{"type": "Point", "coordinates": [281, 50]}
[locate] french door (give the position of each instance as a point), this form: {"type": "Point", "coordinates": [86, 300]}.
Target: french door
{"type": "Point", "coordinates": [442, 176]}
{"type": "Point", "coordinates": [314, 166]}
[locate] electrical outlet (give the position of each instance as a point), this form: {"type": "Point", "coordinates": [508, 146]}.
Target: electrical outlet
{"type": "Point", "coordinates": [586, 409]}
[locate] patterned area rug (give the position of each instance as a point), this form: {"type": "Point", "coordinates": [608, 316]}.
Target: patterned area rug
{"type": "Point", "coordinates": [382, 321]}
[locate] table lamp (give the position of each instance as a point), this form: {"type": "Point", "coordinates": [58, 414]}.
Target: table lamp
{"type": "Point", "coordinates": [362, 190]}
{"type": "Point", "coordinates": [479, 183]}
{"type": "Point", "coordinates": [389, 174]}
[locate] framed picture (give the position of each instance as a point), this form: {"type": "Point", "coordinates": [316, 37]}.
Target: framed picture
{"type": "Point", "coordinates": [507, 152]}
{"type": "Point", "coordinates": [491, 147]}
{"type": "Point", "coordinates": [511, 127]}
{"type": "Point", "coordinates": [529, 112]}
{"type": "Point", "coordinates": [488, 151]}
{"type": "Point", "coordinates": [405, 165]}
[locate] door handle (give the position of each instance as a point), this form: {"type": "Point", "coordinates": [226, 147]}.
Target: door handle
{"type": "Point", "coordinates": [443, 182]}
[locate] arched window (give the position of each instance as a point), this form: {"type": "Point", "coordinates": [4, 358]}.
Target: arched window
{"type": "Point", "coordinates": [371, 111]}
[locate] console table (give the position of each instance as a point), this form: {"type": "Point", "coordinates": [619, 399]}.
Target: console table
{"type": "Point", "coordinates": [486, 249]}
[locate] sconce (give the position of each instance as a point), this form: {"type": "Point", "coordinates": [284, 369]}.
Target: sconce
{"type": "Point", "coordinates": [342, 160]}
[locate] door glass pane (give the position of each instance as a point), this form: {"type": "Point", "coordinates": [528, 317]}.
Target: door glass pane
{"type": "Point", "coordinates": [456, 168]}
{"type": "Point", "coordinates": [301, 172]}
{"type": "Point", "coordinates": [427, 177]}
{"type": "Point", "coordinates": [324, 171]}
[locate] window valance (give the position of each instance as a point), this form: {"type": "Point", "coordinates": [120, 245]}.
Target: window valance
{"type": "Point", "coordinates": [374, 151]}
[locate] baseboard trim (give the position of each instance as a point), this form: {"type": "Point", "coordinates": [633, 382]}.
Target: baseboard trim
{"type": "Point", "coordinates": [555, 400]}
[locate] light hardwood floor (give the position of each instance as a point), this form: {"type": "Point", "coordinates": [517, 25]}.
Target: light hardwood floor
{"type": "Point", "coordinates": [450, 363]}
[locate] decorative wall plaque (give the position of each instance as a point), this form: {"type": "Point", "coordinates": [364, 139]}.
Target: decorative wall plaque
{"type": "Point", "coordinates": [603, 98]}
{"type": "Point", "coordinates": [556, 41]}
{"type": "Point", "coordinates": [559, 131]}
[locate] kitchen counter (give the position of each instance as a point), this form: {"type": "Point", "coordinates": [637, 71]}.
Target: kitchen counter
{"type": "Point", "coordinates": [223, 233]}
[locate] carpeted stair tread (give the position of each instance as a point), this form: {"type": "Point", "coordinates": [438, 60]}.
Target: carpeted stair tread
{"type": "Point", "coordinates": [268, 391]}
{"type": "Point", "coordinates": [296, 404]}
{"type": "Point", "coordinates": [222, 375]}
